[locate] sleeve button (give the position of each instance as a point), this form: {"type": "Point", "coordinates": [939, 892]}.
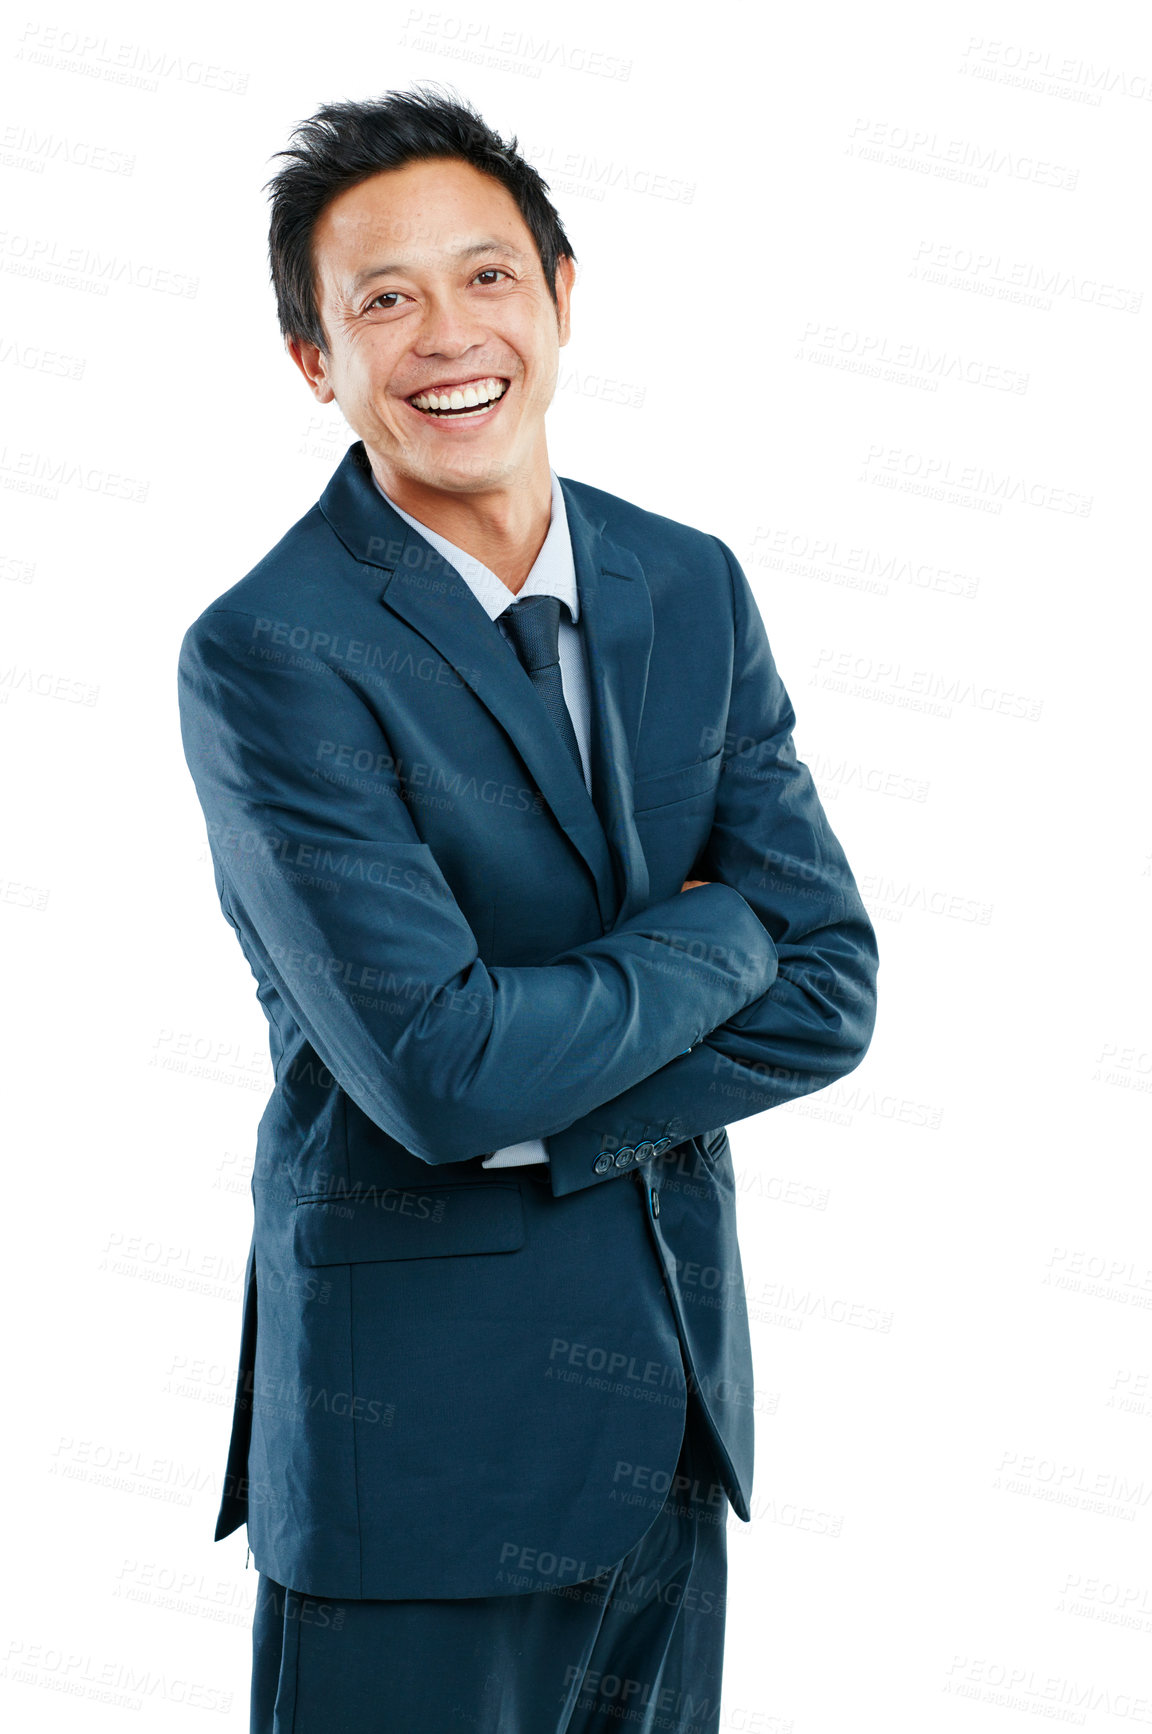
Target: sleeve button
{"type": "Point", "coordinates": [602, 1163]}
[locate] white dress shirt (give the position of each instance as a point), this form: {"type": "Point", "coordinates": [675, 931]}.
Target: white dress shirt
{"type": "Point", "coordinates": [553, 574]}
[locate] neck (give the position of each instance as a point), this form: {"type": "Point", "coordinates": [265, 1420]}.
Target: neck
{"type": "Point", "coordinates": [503, 527]}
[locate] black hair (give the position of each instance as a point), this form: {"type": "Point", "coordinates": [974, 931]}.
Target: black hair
{"type": "Point", "coordinates": [345, 143]}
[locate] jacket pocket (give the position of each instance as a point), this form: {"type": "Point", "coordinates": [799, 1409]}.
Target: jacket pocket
{"type": "Point", "coordinates": [395, 1222]}
{"type": "Point", "coordinates": [713, 1144]}
{"type": "Point", "coordinates": [680, 784]}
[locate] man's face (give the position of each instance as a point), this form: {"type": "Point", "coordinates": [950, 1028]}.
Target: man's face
{"type": "Point", "coordinates": [428, 277]}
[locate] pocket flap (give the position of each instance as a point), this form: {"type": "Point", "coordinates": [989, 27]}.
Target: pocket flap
{"type": "Point", "coordinates": [386, 1222]}
{"type": "Point", "coordinates": [715, 1142]}
{"type": "Point", "coordinates": [677, 785]}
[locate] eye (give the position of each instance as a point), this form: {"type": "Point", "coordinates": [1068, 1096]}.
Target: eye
{"type": "Point", "coordinates": [492, 271]}
{"type": "Point", "coordinates": [384, 295]}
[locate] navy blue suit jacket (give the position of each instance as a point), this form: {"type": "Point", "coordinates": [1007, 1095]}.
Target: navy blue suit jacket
{"type": "Point", "coordinates": [458, 1381]}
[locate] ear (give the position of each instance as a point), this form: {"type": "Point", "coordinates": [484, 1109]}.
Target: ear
{"type": "Point", "coordinates": [313, 364]}
{"type": "Point", "coordinates": [565, 277]}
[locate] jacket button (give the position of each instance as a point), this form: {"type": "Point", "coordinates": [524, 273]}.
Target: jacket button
{"type": "Point", "coordinates": [624, 1156]}
{"type": "Point", "coordinates": [645, 1151]}
{"type": "Point", "coordinates": [655, 1202]}
{"type": "Point", "coordinates": [660, 1145]}
{"type": "Point", "coordinates": [603, 1163]}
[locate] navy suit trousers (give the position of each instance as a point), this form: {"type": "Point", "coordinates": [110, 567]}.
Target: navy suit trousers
{"type": "Point", "coordinates": [638, 1646]}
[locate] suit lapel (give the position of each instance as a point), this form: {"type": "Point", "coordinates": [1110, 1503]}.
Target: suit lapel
{"type": "Point", "coordinates": [616, 617]}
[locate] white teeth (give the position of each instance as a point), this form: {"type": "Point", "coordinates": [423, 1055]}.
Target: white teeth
{"type": "Point", "coordinates": [472, 396]}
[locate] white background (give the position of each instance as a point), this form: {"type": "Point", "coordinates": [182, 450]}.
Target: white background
{"type": "Point", "coordinates": [817, 251]}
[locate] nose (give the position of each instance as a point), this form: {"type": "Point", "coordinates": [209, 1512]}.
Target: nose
{"type": "Point", "coordinates": [449, 327]}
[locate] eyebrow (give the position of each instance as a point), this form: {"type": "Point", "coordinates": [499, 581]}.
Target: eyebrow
{"type": "Point", "coordinates": [462, 253]}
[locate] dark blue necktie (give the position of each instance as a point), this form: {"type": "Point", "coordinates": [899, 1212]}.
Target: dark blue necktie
{"type": "Point", "coordinates": [534, 627]}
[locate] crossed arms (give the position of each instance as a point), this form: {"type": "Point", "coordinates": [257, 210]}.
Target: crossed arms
{"type": "Point", "coordinates": [770, 840]}
{"type": "Point", "coordinates": [767, 973]}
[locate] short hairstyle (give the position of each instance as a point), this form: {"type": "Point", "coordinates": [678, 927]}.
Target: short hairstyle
{"type": "Point", "coordinates": [345, 143]}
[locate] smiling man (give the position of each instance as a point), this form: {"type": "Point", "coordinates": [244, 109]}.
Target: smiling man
{"type": "Point", "coordinates": [442, 348]}
{"type": "Point", "coordinates": [505, 812]}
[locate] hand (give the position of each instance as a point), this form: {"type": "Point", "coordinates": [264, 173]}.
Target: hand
{"type": "Point", "coordinates": [688, 883]}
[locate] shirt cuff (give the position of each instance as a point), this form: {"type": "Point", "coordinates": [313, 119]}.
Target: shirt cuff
{"type": "Point", "coordinates": [517, 1155]}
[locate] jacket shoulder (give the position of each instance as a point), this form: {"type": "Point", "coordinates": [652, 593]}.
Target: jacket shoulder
{"type": "Point", "coordinates": [638, 529]}
{"type": "Point", "coordinates": [306, 561]}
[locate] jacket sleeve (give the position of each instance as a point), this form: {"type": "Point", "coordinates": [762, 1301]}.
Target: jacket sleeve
{"type": "Point", "coordinates": [772, 842]}
{"type": "Point", "coordinates": [345, 911]}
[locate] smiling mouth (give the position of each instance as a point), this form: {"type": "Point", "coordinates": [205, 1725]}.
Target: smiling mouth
{"type": "Point", "coordinates": [460, 402]}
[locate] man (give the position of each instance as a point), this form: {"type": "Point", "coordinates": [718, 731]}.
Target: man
{"type": "Point", "coordinates": [504, 809]}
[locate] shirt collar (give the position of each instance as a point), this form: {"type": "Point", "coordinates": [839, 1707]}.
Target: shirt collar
{"type": "Point", "coordinates": [553, 571]}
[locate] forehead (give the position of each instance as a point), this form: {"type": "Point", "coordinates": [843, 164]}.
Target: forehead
{"type": "Point", "coordinates": [423, 215]}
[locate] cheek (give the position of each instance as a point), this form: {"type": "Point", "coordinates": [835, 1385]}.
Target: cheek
{"type": "Point", "coordinates": [367, 393]}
